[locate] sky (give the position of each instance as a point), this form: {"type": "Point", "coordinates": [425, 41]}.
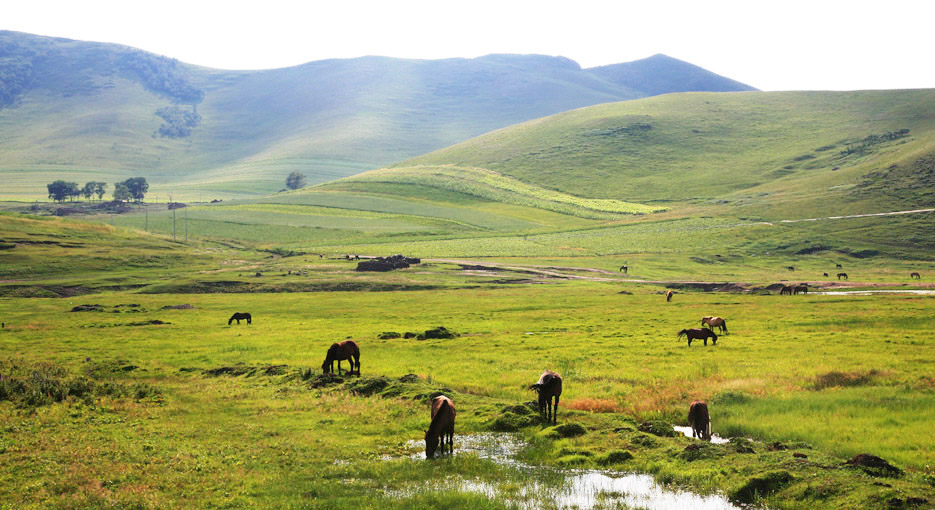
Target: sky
{"type": "Point", "coordinates": [771, 45]}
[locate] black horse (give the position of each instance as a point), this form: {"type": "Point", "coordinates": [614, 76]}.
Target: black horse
{"type": "Point", "coordinates": [624, 269]}
{"type": "Point", "coordinates": [698, 334]}
{"type": "Point", "coordinates": [238, 316]}
{"type": "Point", "coordinates": [842, 275]}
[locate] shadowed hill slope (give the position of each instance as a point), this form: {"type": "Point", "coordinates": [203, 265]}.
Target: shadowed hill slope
{"type": "Point", "coordinates": [83, 110]}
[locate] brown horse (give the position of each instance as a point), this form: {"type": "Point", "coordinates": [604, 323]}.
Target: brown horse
{"type": "Point", "coordinates": [240, 316]}
{"type": "Point", "coordinates": [698, 334]}
{"type": "Point", "coordinates": [699, 420]}
{"type": "Point", "coordinates": [715, 322]}
{"type": "Point", "coordinates": [669, 295]}
{"type": "Point", "coordinates": [785, 290]}
{"type": "Point", "coordinates": [803, 288]}
{"type": "Point", "coordinates": [842, 275]}
{"type": "Point", "coordinates": [442, 425]}
{"type": "Point", "coordinates": [346, 350]}
{"type": "Point", "coordinates": [548, 386]}
{"type": "Point", "coordinates": [915, 275]}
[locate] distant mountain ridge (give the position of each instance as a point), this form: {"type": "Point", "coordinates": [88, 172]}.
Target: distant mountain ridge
{"type": "Point", "coordinates": [105, 111]}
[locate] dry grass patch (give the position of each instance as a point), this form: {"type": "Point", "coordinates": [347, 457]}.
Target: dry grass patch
{"type": "Point", "coordinates": [593, 405]}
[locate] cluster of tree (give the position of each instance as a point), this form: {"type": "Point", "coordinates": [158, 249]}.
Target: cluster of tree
{"type": "Point", "coordinates": [15, 78]}
{"type": "Point", "coordinates": [296, 180]}
{"type": "Point", "coordinates": [163, 75]}
{"type": "Point", "coordinates": [131, 189]}
{"type": "Point", "coordinates": [179, 121]}
{"type": "Point", "coordinates": [872, 140]}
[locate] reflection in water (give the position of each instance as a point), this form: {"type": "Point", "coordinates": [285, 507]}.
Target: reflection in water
{"type": "Point", "coordinates": [687, 432]}
{"type": "Point", "coordinates": [564, 488]}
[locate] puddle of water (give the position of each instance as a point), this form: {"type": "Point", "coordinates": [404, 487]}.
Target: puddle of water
{"type": "Point", "coordinates": [871, 292]}
{"type": "Point", "coordinates": [687, 432]}
{"type": "Point", "coordinates": [581, 489]}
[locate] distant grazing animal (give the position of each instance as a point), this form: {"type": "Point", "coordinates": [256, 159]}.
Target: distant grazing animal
{"type": "Point", "coordinates": [548, 386]}
{"type": "Point", "coordinates": [785, 290]}
{"type": "Point", "coordinates": [698, 334]}
{"type": "Point", "coordinates": [624, 269]}
{"type": "Point", "coordinates": [669, 295]}
{"type": "Point", "coordinates": [839, 266]}
{"type": "Point", "coordinates": [442, 425]}
{"type": "Point", "coordinates": [825, 274]}
{"type": "Point", "coordinates": [699, 420]}
{"type": "Point", "coordinates": [238, 316]}
{"type": "Point", "coordinates": [790, 268]}
{"type": "Point", "coordinates": [715, 322]}
{"type": "Point", "coordinates": [917, 276]}
{"type": "Point", "coordinates": [346, 350]}
{"type": "Point", "coordinates": [842, 275]}
{"type": "Point", "coordinates": [801, 288]}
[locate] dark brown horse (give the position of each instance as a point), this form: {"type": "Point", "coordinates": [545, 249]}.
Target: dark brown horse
{"type": "Point", "coordinates": [346, 350]}
{"type": "Point", "coordinates": [842, 275]}
{"type": "Point", "coordinates": [790, 268]}
{"type": "Point", "coordinates": [442, 425]}
{"type": "Point", "coordinates": [669, 295]}
{"type": "Point", "coordinates": [715, 322]}
{"type": "Point", "coordinates": [785, 290]}
{"type": "Point", "coordinates": [825, 274]}
{"type": "Point", "coordinates": [915, 275]}
{"type": "Point", "coordinates": [839, 266]}
{"type": "Point", "coordinates": [548, 386]}
{"type": "Point", "coordinates": [803, 288]}
{"type": "Point", "coordinates": [699, 420]}
{"type": "Point", "coordinates": [698, 334]}
{"type": "Point", "coordinates": [624, 268]}
{"type": "Point", "coordinates": [240, 316]}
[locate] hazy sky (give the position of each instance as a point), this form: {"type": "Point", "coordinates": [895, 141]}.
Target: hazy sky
{"type": "Point", "coordinates": [771, 45]}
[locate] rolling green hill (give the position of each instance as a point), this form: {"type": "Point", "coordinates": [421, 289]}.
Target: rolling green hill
{"type": "Point", "coordinates": [91, 111]}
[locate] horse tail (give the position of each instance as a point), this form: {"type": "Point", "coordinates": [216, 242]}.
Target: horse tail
{"type": "Point", "coordinates": [724, 325]}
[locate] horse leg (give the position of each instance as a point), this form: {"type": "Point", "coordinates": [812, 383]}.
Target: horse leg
{"type": "Point", "coordinates": [555, 411]}
{"type": "Point", "coordinates": [339, 367]}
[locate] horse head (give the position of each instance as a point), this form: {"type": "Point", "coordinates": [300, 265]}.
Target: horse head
{"type": "Point", "coordinates": [431, 444]}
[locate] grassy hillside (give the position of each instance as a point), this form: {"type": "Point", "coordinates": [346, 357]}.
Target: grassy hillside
{"type": "Point", "coordinates": [77, 110]}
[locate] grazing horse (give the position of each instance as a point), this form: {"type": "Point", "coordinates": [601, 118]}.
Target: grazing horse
{"type": "Point", "coordinates": [785, 290]}
{"type": "Point", "coordinates": [825, 274]}
{"type": "Point", "coordinates": [699, 420]}
{"type": "Point", "coordinates": [790, 268]}
{"type": "Point", "coordinates": [624, 268]}
{"type": "Point", "coordinates": [669, 295]}
{"type": "Point", "coordinates": [346, 350]}
{"type": "Point", "coordinates": [801, 288]}
{"type": "Point", "coordinates": [238, 316]}
{"type": "Point", "coordinates": [549, 385]}
{"type": "Point", "coordinates": [839, 266]}
{"type": "Point", "coordinates": [915, 275]}
{"type": "Point", "coordinates": [840, 275]}
{"type": "Point", "coordinates": [715, 322]}
{"type": "Point", "coordinates": [698, 334]}
{"type": "Point", "coordinates": [442, 425]}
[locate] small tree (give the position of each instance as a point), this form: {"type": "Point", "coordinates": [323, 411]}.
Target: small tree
{"type": "Point", "coordinates": [60, 190]}
{"type": "Point", "coordinates": [88, 190]}
{"type": "Point", "coordinates": [137, 187]}
{"type": "Point", "coordinates": [295, 180]}
{"type": "Point", "coordinates": [99, 189]}
{"type": "Point", "coordinates": [121, 191]}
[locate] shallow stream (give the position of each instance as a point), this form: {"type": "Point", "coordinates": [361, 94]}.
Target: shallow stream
{"type": "Point", "coordinates": [564, 488]}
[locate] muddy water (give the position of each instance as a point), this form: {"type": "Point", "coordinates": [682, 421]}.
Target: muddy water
{"type": "Point", "coordinates": [564, 488]}
{"type": "Point", "coordinates": [687, 432]}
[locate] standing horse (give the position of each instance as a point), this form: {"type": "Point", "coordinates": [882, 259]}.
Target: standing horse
{"type": "Point", "coordinates": [669, 295]}
{"type": "Point", "coordinates": [238, 316]}
{"type": "Point", "coordinates": [790, 268]}
{"type": "Point", "coordinates": [785, 290]}
{"type": "Point", "coordinates": [825, 274]}
{"type": "Point", "coordinates": [346, 350]}
{"type": "Point", "coordinates": [698, 334]}
{"type": "Point", "coordinates": [840, 275]}
{"type": "Point", "coordinates": [548, 386]}
{"type": "Point", "coordinates": [915, 275]}
{"type": "Point", "coordinates": [699, 420]}
{"type": "Point", "coordinates": [443, 424]}
{"type": "Point", "coordinates": [839, 266]}
{"type": "Point", "coordinates": [715, 322]}
{"type": "Point", "coordinates": [803, 288]}
{"type": "Point", "coordinates": [624, 268]}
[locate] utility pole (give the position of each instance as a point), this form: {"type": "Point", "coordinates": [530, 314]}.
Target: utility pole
{"type": "Point", "coordinates": [186, 224]}
{"type": "Point", "coordinates": [173, 224]}
{"type": "Point", "coordinates": [146, 227]}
